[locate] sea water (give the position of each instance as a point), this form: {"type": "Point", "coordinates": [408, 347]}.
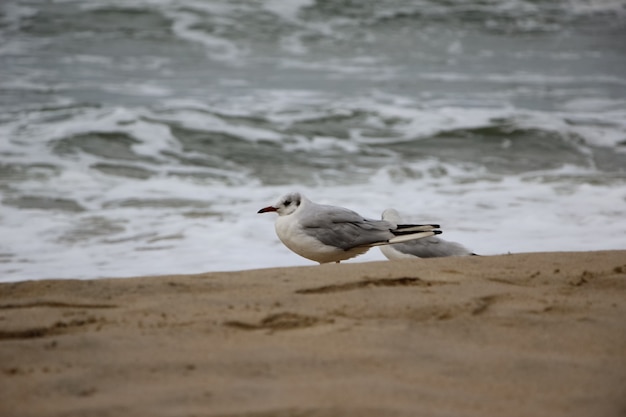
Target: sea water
{"type": "Point", "coordinates": [141, 138]}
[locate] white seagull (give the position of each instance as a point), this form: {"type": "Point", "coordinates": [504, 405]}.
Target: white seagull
{"type": "Point", "coordinates": [325, 234]}
{"type": "Point", "coordinates": [432, 247]}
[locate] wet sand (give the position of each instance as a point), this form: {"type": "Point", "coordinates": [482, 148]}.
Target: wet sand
{"type": "Point", "coordinates": [540, 334]}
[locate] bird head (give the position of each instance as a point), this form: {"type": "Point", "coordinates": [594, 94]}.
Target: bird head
{"type": "Point", "coordinates": [286, 205]}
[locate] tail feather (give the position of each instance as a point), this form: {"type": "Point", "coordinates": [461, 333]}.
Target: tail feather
{"type": "Point", "coordinates": [407, 237]}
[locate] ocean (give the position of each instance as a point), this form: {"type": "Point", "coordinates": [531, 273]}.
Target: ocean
{"type": "Point", "coordinates": [141, 138]}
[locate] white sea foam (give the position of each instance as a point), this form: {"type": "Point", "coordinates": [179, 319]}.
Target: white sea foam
{"type": "Point", "coordinates": [524, 78]}
{"type": "Point", "coordinates": [287, 9]}
{"type": "Point", "coordinates": [489, 215]}
{"type": "Point", "coordinates": [217, 48]}
{"type": "Point", "coordinates": [144, 89]}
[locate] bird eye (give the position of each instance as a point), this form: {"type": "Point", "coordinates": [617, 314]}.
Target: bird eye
{"type": "Point", "coordinates": [287, 202]}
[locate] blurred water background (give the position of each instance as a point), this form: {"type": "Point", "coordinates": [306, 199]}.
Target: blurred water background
{"type": "Point", "coordinates": [141, 137]}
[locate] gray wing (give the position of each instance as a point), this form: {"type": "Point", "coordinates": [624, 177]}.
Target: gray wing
{"type": "Point", "coordinates": [343, 228]}
{"type": "Point", "coordinates": [432, 247]}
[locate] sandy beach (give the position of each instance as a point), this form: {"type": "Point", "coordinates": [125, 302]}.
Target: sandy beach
{"type": "Point", "coordinates": [540, 334]}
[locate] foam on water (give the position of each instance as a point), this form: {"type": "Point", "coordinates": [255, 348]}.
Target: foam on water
{"type": "Point", "coordinates": [287, 10]}
{"type": "Point", "coordinates": [217, 228]}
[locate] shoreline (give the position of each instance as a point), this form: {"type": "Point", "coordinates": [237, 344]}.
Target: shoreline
{"type": "Point", "coordinates": [537, 334]}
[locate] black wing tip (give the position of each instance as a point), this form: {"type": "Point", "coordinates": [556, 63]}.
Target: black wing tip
{"type": "Point", "coordinates": [397, 232]}
{"type": "Point", "coordinates": [407, 226]}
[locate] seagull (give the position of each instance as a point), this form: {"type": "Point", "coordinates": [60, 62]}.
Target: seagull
{"type": "Point", "coordinates": [326, 234]}
{"type": "Point", "coordinates": [432, 247]}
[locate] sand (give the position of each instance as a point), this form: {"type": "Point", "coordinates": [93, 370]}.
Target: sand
{"type": "Point", "coordinates": [539, 334]}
